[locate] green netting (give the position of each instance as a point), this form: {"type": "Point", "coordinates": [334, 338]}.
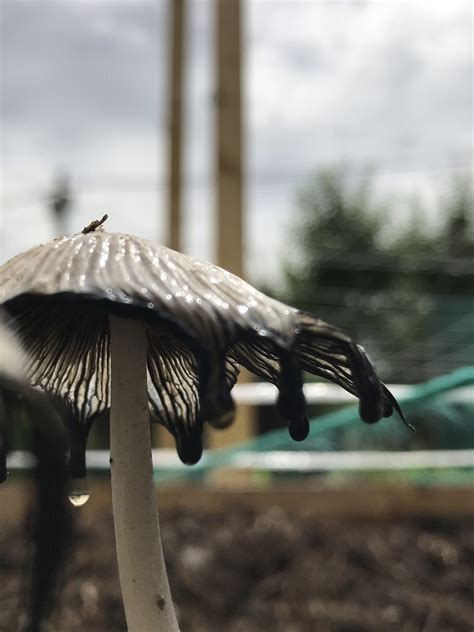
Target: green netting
{"type": "Point", "coordinates": [279, 439]}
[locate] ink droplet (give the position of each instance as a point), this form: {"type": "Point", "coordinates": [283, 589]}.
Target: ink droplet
{"type": "Point", "coordinates": [79, 492]}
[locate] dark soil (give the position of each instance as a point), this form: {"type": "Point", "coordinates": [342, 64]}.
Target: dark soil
{"type": "Point", "coordinates": [240, 571]}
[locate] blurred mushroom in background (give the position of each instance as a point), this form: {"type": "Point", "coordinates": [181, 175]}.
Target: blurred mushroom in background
{"type": "Point", "coordinates": [52, 520]}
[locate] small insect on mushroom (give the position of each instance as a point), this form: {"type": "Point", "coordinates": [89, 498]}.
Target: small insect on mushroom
{"type": "Point", "coordinates": [116, 323]}
{"type": "Point", "coordinates": [96, 224]}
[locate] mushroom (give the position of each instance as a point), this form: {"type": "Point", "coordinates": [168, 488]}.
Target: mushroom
{"type": "Point", "coordinates": [12, 360]}
{"type": "Point", "coordinates": [52, 520]}
{"type": "Point", "coordinates": [12, 379]}
{"type": "Point", "coordinates": [115, 322]}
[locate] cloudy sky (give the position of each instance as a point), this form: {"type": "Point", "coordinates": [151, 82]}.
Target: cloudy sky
{"type": "Point", "coordinates": [385, 84]}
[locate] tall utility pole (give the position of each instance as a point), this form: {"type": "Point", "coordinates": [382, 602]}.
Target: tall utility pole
{"type": "Point", "coordinates": [60, 202]}
{"type": "Point", "coordinates": [175, 113]}
{"type": "Point", "coordinates": [228, 152]}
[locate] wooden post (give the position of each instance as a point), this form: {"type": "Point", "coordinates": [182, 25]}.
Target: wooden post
{"type": "Point", "coordinates": [229, 213]}
{"type": "Point", "coordinates": [229, 137]}
{"type": "Point", "coordinates": [175, 113]}
{"type": "Point", "coordinates": [161, 437]}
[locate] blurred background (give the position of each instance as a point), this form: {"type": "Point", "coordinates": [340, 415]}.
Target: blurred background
{"type": "Point", "coordinates": [324, 151]}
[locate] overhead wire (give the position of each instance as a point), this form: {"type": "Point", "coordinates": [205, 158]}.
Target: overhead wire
{"type": "Point", "coordinates": [110, 184]}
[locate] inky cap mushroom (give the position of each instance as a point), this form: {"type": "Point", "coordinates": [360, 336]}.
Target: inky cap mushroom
{"type": "Point", "coordinates": [12, 375]}
{"type": "Point", "coordinates": [202, 322]}
{"type": "Point", "coordinates": [115, 322]}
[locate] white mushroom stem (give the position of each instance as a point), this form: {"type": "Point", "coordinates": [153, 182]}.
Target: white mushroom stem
{"type": "Point", "coordinates": [143, 578]}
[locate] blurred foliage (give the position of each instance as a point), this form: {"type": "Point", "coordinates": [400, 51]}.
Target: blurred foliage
{"type": "Point", "coordinates": [405, 292]}
{"type": "Point", "coordinates": [404, 295]}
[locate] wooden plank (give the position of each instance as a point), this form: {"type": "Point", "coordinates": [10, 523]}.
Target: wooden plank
{"type": "Point", "coordinates": [371, 502]}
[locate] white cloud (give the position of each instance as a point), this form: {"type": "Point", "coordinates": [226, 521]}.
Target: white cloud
{"type": "Point", "coordinates": [83, 88]}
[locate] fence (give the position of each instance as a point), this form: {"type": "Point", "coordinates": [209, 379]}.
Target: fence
{"type": "Point", "coordinates": [274, 453]}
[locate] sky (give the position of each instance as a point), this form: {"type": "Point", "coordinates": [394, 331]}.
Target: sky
{"type": "Point", "coordinates": [383, 84]}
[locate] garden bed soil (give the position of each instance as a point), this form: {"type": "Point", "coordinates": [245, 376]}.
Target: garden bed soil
{"type": "Point", "coordinates": [248, 570]}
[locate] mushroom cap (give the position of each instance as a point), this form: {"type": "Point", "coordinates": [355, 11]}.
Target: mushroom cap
{"type": "Point", "coordinates": [202, 322]}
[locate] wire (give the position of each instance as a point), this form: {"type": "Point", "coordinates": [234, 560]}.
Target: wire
{"type": "Point", "coordinates": [352, 298]}
{"type": "Point", "coordinates": [149, 183]}
{"type": "Point", "coordinates": [379, 255]}
{"type": "Point", "coordinates": [365, 263]}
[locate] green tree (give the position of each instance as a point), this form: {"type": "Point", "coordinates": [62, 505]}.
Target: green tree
{"type": "Point", "coordinates": [388, 291]}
